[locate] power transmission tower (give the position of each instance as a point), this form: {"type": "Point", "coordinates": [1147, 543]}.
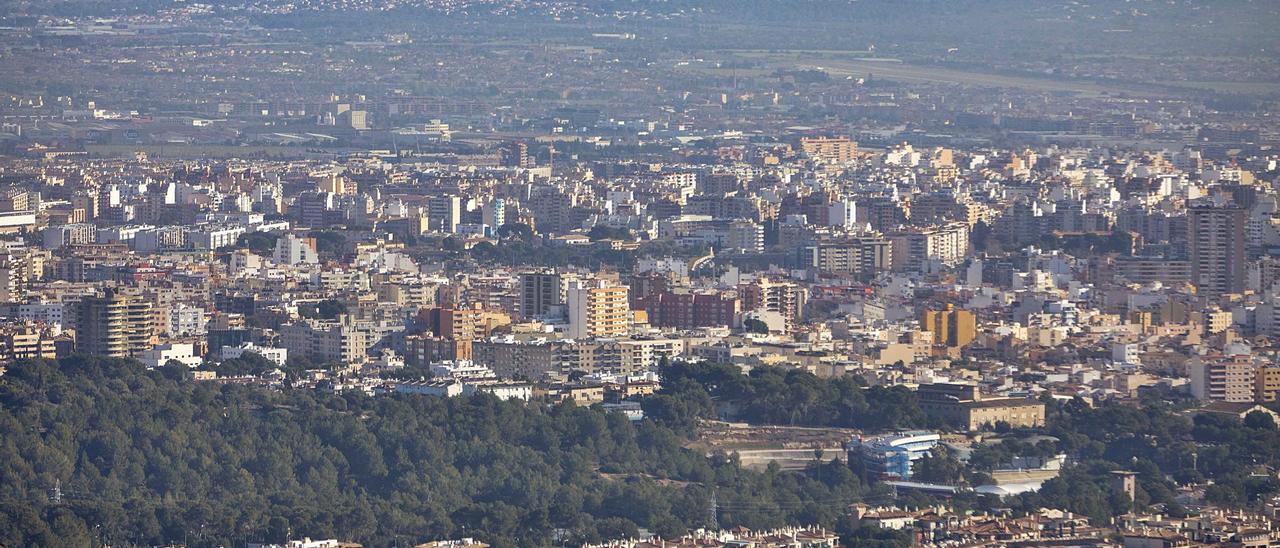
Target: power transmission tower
{"type": "Point", "coordinates": [713, 513]}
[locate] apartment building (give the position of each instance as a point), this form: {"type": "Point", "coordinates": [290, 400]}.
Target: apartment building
{"type": "Point", "coordinates": [1266, 386]}
{"type": "Point", "coordinates": [785, 298]}
{"type": "Point", "coordinates": [950, 326]}
{"type": "Point", "coordinates": [683, 309]}
{"type": "Point", "coordinates": [913, 250]}
{"type": "Point", "coordinates": [859, 256]}
{"type": "Point", "coordinates": [598, 309]}
{"type": "Point", "coordinates": [26, 341]}
{"type": "Point", "coordinates": [838, 150]}
{"type": "Point", "coordinates": [1216, 245]}
{"type": "Point", "coordinates": [1223, 378]}
{"type": "Point", "coordinates": [114, 324]}
{"type": "Point", "coordinates": [329, 341]}
{"type": "Point", "coordinates": [540, 292]}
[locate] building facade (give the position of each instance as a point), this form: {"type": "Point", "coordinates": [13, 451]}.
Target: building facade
{"type": "Point", "coordinates": [115, 324]}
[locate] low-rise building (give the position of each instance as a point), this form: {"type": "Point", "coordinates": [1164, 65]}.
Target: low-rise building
{"type": "Point", "coordinates": [963, 406]}
{"type": "Point", "coordinates": [161, 355]}
{"type": "Point", "coordinates": [278, 356]}
{"type": "Point", "coordinates": [27, 341]}
{"type": "Point", "coordinates": [892, 455]}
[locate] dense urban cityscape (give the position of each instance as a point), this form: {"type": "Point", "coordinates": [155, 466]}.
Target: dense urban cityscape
{"type": "Point", "coordinates": [473, 273]}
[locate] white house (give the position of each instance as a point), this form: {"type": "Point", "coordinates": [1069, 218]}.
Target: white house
{"type": "Point", "coordinates": [277, 356]}
{"type": "Point", "coordinates": [183, 353]}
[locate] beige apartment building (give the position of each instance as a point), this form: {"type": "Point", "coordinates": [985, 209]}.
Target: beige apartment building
{"type": "Point", "coordinates": [830, 149]}
{"type": "Point", "coordinates": [327, 341]}
{"type": "Point", "coordinates": [1266, 385]}
{"type": "Point", "coordinates": [115, 324]}
{"type": "Point", "coordinates": [598, 308]}
{"type": "Point", "coordinates": [1229, 379]}
{"type": "Point", "coordinates": [26, 341]}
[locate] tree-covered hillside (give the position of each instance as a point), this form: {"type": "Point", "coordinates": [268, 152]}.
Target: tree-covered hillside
{"type": "Point", "coordinates": [151, 457]}
{"type": "Point", "coordinates": [1165, 444]}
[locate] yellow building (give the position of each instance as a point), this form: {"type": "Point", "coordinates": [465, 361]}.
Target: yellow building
{"type": "Point", "coordinates": [26, 342]}
{"type": "Point", "coordinates": [1142, 319]}
{"type": "Point", "coordinates": [950, 327]}
{"type": "Point", "coordinates": [1217, 320]}
{"type": "Point", "coordinates": [598, 309]}
{"type": "Point", "coordinates": [336, 184]}
{"type": "Point", "coordinates": [1266, 384]}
